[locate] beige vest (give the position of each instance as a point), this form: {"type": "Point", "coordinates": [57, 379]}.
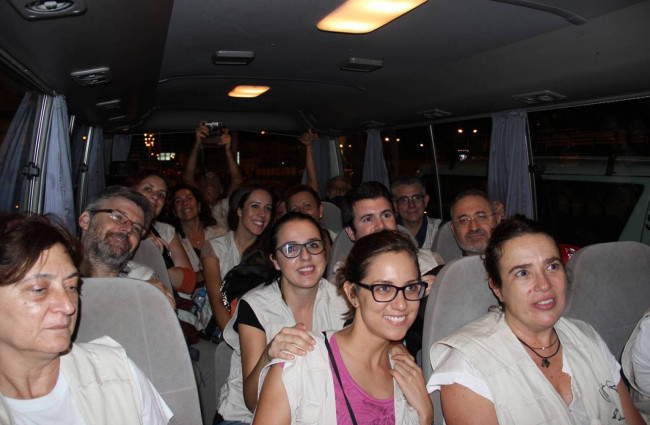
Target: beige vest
{"type": "Point", "coordinates": [100, 382]}
{"type": "Point", "coordinates": [522, 394]}
{"type": "Point", "coordinates": [641, 400]}
{"type": "Point", "coordinates": [274, 314]}
{"type": "Point", "coordinates": [309, 384]}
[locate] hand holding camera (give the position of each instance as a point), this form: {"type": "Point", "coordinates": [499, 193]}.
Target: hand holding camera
{"type": "Point", "coordinates": [213, 133]}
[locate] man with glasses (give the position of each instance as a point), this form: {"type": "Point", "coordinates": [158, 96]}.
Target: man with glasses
{"type": "Point", "coordinates": [472, 221]}
{"type": "Point", "coordinates": [112, 225]}
{"type": "Point", "coordinates": [410, 200]}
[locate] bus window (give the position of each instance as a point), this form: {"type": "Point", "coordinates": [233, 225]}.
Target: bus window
{"type": "Point", "coordinates": [593, 170]}
{"type": "Point", "coordinates": [462, 149]}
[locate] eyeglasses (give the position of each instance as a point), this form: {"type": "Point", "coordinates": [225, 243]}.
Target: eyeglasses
{"type": "Point", "coordinates": [466, 220]}
{"type": "Point", "coordinates": [403, 200]}
{"type": "Point", "coordinates": [293, 249]}
{"type": "Point", "coordinates": [121, 218]}
{"type": "Point", "coordinates": [385, 293]}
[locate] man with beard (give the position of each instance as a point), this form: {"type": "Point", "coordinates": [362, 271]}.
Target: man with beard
{"type": "Point", "coordinates": [472, 221]}
{"type": "Point", "coordinates": [111, 227]}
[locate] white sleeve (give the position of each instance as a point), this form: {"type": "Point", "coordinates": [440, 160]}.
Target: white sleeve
{"type": "Point", "coordinates": [641, 357]}
{"type": "Point", "coordinates": [455, 368]}
{"type": "Point", "coordinates": [154, 409]}
{"type": "Point", "coordinates": [613, 366]}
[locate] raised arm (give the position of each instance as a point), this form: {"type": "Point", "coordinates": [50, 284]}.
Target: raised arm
{"type": "Point", "coordinates": [256, 354]}
{"type": "Point", "coordinates": [236, 179]}
{"type": "Point", "coordinates": [189, 173]}
{"type": "Point", "coordinates": [307, 139]}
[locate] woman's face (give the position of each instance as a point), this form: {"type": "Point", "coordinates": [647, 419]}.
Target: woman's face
{"type": "Point", "coordinates": [389, 320]}
{"type": "Point", "coordinates": [306, 269]}
{"type": "Point", "coordinates": [38, 313]}
{"type": "Point", "coordinates": [155, 190]}
{"type": "Point", "coordinates": [533, 283]}
{"type": "Point", "coordinates": [254, 216]}
{"type": "Point", "coordinates": [186, 206]}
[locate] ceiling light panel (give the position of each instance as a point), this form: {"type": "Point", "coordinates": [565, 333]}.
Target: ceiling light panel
{"type": "Point", "coordinates": [364, 16]}
{"type": "Point", "coordinates": [248, 91]}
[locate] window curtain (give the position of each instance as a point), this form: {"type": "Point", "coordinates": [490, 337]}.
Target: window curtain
{"type": "Point", "coordinates": [508, 176]}
{"type": "Point", "coordinates": [59, 195]}
{"type": "Point", "coordinates": [121, 147]}
{"type": "Point", "coordinates": [96, 173]}
{"type": "Point", "coordinates": [329, 162]}
{"type": "Point", "coordinates": [374, 166]}
{"type": "Point", "coordinates": [12, 151]}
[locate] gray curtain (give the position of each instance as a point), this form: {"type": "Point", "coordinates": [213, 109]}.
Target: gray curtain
{"type": "Point", "coordinates": [374, 166]}
{"type": "Point", "coordinates": [14, 146]}
{"type": "Point", "coordinates": [508, 177]}
{"type": "Point", "coordinates": [329, 163]}
{"type": "Point", "coordinates": [96, 173]}
{"type": "Point", "coordinates": [59, 195]}
{"type": "Point", "coordinates": [121, 147]}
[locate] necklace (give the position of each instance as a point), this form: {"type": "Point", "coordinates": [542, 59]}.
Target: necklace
{"type": "Point", "coordinates": [545, 362]}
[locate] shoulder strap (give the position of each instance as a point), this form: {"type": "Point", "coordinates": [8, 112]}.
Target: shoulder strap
{"type": "Point", "coordinates": [338, 377]}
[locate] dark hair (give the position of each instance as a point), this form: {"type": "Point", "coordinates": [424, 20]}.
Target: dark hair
{"type": "Point", "coordinates": [364, 252]}
{"type": "Point", "coordinates": [23, 239]}
{"type": "Point", "coordinates": [111, 192]}
{"type": "Point", "coordinates": [134, 179]}
{"type": "Point", "coordinates": [346, 179]}
{"type": "Point", "coordinates": [239, 198]}
{"type": "Point", "coordinates": [407, 181]}
{"type": "Point", "coordinates": [508, 229]}
{"type": "Point", "coordinates": [289, 217]}
{"type": "Point", "coordinates": [205, 212]}
{"type": "Point", "coordinates": [467, 193]}
{"type": "Point", "coordinates": [367, 190]}
{"type": "Point", "coordinates": [302, 188]}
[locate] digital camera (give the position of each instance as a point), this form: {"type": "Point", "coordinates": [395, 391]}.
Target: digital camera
{"type": "Point", "coordinates": [216, 128]}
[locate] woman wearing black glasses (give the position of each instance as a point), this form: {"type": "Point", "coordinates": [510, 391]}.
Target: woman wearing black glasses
{"type": "Point", "coordinates": [350, 377]}
{"type": "Point", "coordinates": [270, 321]}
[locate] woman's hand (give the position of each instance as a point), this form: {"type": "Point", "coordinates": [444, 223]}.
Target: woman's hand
{"type": "Point", "coordinates": [290, 342]}
{"type": "Point", "coordinates": [411, 381]}
{"type": "Point", "coordinates": [160, 243]}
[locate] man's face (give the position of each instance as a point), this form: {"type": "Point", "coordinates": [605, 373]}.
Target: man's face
{"type": "Point", "coordinates": [472, 224]}
{"type": "Point", "coordinates": [339, 188]}
{"type": "Point", "coordinates": [410, 202]}
{"type": "Point", "coordinates": [106, 240]}
{"type": "Point", "coordinates": [371, 216]}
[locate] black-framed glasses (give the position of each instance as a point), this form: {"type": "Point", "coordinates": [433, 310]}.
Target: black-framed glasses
{"type": "Point", "coordinates": [403, 200]}
{"type": "Point", "coordinates": [121, 218]}
{"type": "Point", "coordinates": [294, 249]}
{"type": "Point", "coordinates": [385, 293]}
{"type": "Point", "coordinates": [466, 220]}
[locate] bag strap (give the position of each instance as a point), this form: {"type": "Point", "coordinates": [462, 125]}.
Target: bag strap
{"type": "Point", "coordinates": [338, 377]}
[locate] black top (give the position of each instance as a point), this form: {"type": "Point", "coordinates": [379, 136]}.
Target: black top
{"type": "Point", "coordinates": [246, 316]}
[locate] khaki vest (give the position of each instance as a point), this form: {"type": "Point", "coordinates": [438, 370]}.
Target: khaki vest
{"type": "Point", "coordinates": [522, 394]}
{"type": "Point", "coordinates": [641, 400]}
{"type": "Point", "coordinates": [100, 382]}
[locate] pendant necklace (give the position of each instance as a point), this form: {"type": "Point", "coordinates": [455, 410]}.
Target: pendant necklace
{"type": "Point", "coordinates": [545, 362]}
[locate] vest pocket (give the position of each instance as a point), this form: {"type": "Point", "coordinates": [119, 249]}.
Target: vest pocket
{"type": "Point", "coordinates": [308, 413]}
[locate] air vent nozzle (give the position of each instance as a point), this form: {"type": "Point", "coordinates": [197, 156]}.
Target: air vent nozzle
{"type": "Point", "coordinates": [109, 105]}
{"type": "Point", "coordinates": [361, 65]}
{"type": "Point", "coordinates": [43, 9]}
{"type": "Point", "coordinates": [543, 96]}
{"type": "Point", "coordinates": [434, 113]}
{"type": "Point", "coordinates": [233, 57]}
{"type": "Point", "coordinates": [92, 77]}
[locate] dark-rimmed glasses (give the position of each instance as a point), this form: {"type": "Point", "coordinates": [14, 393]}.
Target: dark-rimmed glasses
{"type": "Point", "coordinates": [121, 218]}
{"type": "Point", "coordinates": [294, 249]}
{"type": "Point", "coordinates": [385, 293]}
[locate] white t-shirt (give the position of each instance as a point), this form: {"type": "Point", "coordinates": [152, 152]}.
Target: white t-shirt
{"type": "Point", "coordinates": [58, 406]}
{"type": "Point", "coordinates": [641, 357]}
{"type": "Point", "coordinates": [455, 368]}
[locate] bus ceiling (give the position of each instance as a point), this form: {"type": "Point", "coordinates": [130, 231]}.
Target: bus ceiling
{"type": "Point", "coordinates": [164, 65]}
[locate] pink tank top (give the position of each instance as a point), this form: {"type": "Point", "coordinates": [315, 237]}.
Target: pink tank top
{"type": "Point", "coordinates": [367, 410]}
